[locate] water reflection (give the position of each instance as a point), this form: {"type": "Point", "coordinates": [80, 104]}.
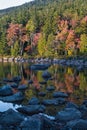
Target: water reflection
{"type": "Point", "coordinates": [65, 79]}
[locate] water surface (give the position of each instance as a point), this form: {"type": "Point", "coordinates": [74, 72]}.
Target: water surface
{"type": "Point", "coordinates": [66, 79]}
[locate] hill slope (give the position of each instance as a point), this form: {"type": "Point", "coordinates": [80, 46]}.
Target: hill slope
{"type": "Point", "coordinates": [56, 27]}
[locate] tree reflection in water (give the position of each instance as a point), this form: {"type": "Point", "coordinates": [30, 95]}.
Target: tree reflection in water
{"type": "Point", "coordinates": [65, 79]}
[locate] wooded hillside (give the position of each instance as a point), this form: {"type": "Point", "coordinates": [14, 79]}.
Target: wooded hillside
{"type": "Point", "coordinates": [44, 28]}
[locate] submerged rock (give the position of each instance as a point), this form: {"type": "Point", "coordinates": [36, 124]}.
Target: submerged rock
{"type": "Point", "coordinates": [42, 94]}
{"type": "Point", "coordinates": [33, 101]}
{"type": "Point", "coordinates": [17, 78]}
{"type": "Point", "coordinates": [56, 101]}
{"type": "Point", "coordinates": [7, 80]}
{"type": "Point", "coordinates": [50, 88]}
{"type": "Point", "coordinates": [13, 98]}
{"type": "Point", "coordinates": [46, 75]}
{"type": "Point", "coordinates": [71, 105]}
{"type": "Point", "coordinates": [22, 87]}
{"type": "Point", "coordinates": [14, 85]}
{"type": "Point", "coordinates": [30, 82]}
{"type": "Point", "coordinates": [60, 94]}
{"type": "Point", "coordinates": [6, 90]}
{"type": "Point", "coordinates": [85, 102]}
{"type": "Point", "coordinates": [42, 82]}
{"type": "Point", "coordinates": [83, 109]}
{"type": "Point", "coordinates": [50, 102]}
{"type": "Point", "coordinates": [40, 66]}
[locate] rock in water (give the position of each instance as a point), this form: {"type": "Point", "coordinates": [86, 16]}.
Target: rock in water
{"type": "Point", "coordinates": [46, 75]}
{"type": "Point", "coordinates": [79, 124]}
{"type": "Point", "coordinates": [34, 101]}
{"type": "Point", "coordinates": [22, 87]}
{"type": "Point", "coordinates": [60, 94]}
{"type": "Point", "coordinates": [6, 90]}
{"type": "Point", "coordinates": [31, 109]}
{"type": "Point", "coordinates": [11, 117]}
{"type": "Point", "coordinates": [13, 98]}
{"type": "Point", "coordinates": [32, 124]}
{"type": "Point", "coordinates": [68, 114]}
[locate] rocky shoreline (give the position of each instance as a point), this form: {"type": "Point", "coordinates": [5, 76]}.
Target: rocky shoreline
{"type": "Point", "coordinates": [77, 62]}
{"type": "Point", "coordinates": [33, 117]}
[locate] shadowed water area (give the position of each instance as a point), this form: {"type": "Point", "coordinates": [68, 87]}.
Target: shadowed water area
{"type": "Point", "coordinates": [65, 79]}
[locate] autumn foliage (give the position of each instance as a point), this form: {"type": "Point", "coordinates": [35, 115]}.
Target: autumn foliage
{"type": "Point", "coordinates": [45, 28]}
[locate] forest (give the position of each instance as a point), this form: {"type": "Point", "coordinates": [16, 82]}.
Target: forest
{"type": "Point", "coordinates": [44, 28]}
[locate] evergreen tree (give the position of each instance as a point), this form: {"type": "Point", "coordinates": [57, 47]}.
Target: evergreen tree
{"type": "Point", "coordinates": [15, 49]}
{"type": "Point", "coordinates": [49, 47]}
{"type": "Point", "coordinates": [83, 43]}
{"type": "Point", "coordinates": [42, 46]}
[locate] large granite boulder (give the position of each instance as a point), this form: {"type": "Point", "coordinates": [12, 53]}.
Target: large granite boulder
{"type": "Point", "coordinates": [49, 122]}
{"type": "Point", "coordinates": [68, 114]}
{"type": "Point", "coordinates": [11, 117]}
{"type": "Point", "coordinates": [79, 124]}
{"type": "Point", "coordinates": [32, 123]}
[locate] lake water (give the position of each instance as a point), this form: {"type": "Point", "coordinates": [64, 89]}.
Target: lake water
{"type": "Point", "coordinates": [65, 79]}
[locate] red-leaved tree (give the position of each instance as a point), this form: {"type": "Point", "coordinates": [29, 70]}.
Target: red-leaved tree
{"type": "Point", "coordinates": [16, 32]}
